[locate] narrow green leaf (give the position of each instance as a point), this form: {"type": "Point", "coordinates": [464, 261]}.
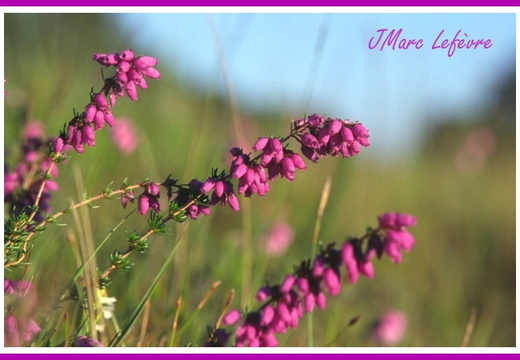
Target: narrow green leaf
{"type": "Point", "coordinates": [135, 315]}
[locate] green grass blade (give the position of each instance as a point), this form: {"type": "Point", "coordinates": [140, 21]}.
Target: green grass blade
{"type": "Point", "coordinates": [135, 315]}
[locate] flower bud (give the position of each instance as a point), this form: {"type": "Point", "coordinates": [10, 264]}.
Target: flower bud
{"type": "Point", "coordinates": [231, 317]}
{"type": "Point", "coordinates": [143, 62]}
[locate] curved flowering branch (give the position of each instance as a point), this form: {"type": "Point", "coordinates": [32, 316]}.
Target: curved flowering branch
{"type": "Point", "coordinates": [29, 197]}
{"type": "Point", "coordinates": [269, 158]}
{"type": "Point", "coordinates": [306, 288]}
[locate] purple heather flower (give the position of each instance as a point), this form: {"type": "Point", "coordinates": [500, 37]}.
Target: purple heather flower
{"type": "Point", "coordinates": [127, 196]}
{"type": "Point", "coordinates": [149, 199]}
{"type": "Point", "coordinates": [390, 328]}
{"type": "Point", "coordinates": [305, 289]}
{"type": "Point", "coordinates": [278, 240]}
{"type": "Point", "coordinates": [222, 192]}
{"type": "Point", "coordinates": [85, 341]}
{"type": "Point", "coordinates": [251, 177]}
{"type": "Point", "coordinates": [349, 260]}
{"type": "Point", "coordinates": [315, 120]}
{"type": "Point", "coordinates": [397, 237]}
{"type": "Point", "coordinates": [263, 293]}
{"type": "Point", "coordinates": [260, 144]}
{"type": "Point", "coordinates": [231, 317]}
{"type": "Point", "coordinates": [332, 281]}
{"type": "Point", "coordinates": [21, 300]}
{"type": "Point", "coordinates": [126, 55]}
{"type": "Point", "coordinates": [287, 284]}
{"type": "Point", "coordinates": [124, 136]}
{"type": "Point", "coordinates": [331, 137]}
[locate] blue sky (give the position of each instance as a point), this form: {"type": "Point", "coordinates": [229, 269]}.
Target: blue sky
{"type": "Point", "coordinates": [321, 62]}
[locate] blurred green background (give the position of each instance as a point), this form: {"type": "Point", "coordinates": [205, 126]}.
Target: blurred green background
{"type": "Point", "coordinates": [459, 183]}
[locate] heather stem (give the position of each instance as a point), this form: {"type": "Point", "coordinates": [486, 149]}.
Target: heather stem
{"type": "Point", "coordinates": [40, 191]}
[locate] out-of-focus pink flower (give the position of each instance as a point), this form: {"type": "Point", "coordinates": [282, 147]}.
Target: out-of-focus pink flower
{"type": "Point", "coordinates": [20, 302]}
{"type": "Point", "coordinates": [278, 240]}
{"type": "Point", "coordinates": [390, 328]}
{"type": "Point", "coordinates": [478, 146]}
{"type": "Point", "coordinates": [124, 136]}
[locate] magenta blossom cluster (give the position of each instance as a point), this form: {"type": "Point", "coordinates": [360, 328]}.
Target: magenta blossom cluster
{"type": "Point", "coordinates": [20, 300]}
{"type": "Point", "coordinates": [131, 72]}
{"type": "Point", "coordinates": [269, 158]}
{"type": "Point", "coordinates": [272, 161]}
{"type": "Point", "coordinates": [149, 198]}
{"type": "Point", "coordinates": [22, 184]}
{"type": "Point", "coordinates": [318, 136]}
{"type": "Point", "coordinates": [330, 136]}
{"type": "Point", "coordinates": [307, 288]}
{"type": "Point", "coordinates": [222, 192]}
